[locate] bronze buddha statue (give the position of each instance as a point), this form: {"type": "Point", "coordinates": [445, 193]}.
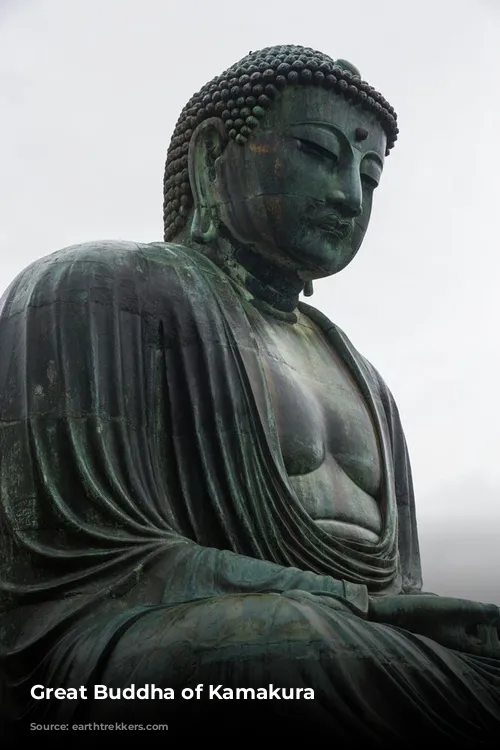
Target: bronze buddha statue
{"type": "Point", "coordinates": [203, 482]}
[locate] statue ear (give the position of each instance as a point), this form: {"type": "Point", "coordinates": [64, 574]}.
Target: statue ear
{"type": "Point", "coordinates": [206, 145]}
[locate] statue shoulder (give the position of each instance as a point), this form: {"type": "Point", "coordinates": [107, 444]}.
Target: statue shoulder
{"type": "Point", "coordinates": [376, 380]}
{"type": "Point", "coordinates": [373, 373]}
{"type": "Point", "coordinates": [73, 271]}
{"type": "Point", "coordinates": [341, 339]}
{"type": "Point", "coordinates": [380, 388]}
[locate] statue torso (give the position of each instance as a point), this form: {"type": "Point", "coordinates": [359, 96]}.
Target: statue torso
{"type": "Point", "coordinates": [328, 440]}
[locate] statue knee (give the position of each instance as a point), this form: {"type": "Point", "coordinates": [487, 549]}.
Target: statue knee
{"type": "Point", "coordinates": [264, 620]}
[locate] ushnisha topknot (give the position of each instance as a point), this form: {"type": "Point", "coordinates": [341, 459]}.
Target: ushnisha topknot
{"type": "Point", "coordinates": [240, 98]}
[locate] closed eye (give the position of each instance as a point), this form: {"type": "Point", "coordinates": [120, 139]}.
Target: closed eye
{"type": "Point", "coordinates": [314, 149]}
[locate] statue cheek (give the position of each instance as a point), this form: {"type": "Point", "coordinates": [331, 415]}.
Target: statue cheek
{"type": "Point", "coordinates": [249, 218]}
{"type": "Point", "coordinates": [358, 234]}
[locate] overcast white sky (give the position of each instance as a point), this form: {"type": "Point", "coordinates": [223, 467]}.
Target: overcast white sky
{"type": "Point", "coordinates": [90, 91]}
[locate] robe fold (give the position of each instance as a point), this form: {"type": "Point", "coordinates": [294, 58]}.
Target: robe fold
{"type": "Point", "coordinates": [143, 496]}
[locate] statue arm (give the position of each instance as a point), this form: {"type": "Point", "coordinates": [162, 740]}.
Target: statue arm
{"type": "Point", "coordinates": [408, 543]}
{"type": "Point", "coordinates": [196, 572]}
{"type": "Point", "coordinates": [108, 393]}
{"type": "Point", "coordinates": [459, 624]}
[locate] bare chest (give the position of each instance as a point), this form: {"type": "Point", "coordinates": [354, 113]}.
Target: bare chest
{"type": "Point", "coordinates": [321, 415]}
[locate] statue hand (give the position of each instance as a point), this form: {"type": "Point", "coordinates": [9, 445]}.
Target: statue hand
{"type": "Point", "coordinates": [459, 624]}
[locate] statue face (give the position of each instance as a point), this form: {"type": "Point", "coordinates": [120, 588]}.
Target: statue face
{"type": "Point", "coordinates": [301, 188]}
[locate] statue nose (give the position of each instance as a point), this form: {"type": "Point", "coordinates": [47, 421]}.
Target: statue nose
{"type": "Point", "coordinates": [347, 202]}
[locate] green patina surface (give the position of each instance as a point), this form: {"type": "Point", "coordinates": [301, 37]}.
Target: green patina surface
{"type": "Point", "coordinates": [202, 481]}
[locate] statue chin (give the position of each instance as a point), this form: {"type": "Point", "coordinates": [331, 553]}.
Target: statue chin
{"type": "Point", "coordinates": [206, 492]}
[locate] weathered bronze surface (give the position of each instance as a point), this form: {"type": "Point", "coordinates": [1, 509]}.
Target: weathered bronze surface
{"type": "Point", "coordinates": [202, 481]}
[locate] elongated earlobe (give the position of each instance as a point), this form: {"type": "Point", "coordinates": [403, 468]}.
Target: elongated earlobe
{"type": "Point", "coordinates": [207, 144]}
{"type": "Point", "coordinates": [308, 289]}
{"type": "Point", "coordinates": [204, 226]}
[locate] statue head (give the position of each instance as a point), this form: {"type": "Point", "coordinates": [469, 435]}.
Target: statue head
{"type": "Point", "coordinates": [280, 154]}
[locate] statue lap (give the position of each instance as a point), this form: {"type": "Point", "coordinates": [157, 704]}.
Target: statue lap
{"type": "Point", "coordinates": [379, 679]}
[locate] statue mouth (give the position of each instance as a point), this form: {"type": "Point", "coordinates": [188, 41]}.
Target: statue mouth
{"type": "Point", "coordinates": [333, 224]}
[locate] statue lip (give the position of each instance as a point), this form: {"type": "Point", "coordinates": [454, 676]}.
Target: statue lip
{"type": "Point", "coordinates": [333, 224]}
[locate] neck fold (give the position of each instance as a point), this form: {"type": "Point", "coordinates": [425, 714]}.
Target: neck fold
{"type": "Point", "coordinates": [272, 288]}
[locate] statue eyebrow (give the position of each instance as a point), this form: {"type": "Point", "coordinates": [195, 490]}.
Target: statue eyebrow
{"type": "Point", "coordinates": [329, 127]}
{"type": "Point", "coordinates": [336, 131]}
{"type": "Point", "coordinates": [318, 123]}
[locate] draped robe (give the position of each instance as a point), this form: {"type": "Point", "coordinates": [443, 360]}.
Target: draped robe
{"type": "Point", "coordinates": [148, 528]}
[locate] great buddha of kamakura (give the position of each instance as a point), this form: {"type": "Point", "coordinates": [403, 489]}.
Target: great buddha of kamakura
{"type": "Point", "coordinates": [203, 482]}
